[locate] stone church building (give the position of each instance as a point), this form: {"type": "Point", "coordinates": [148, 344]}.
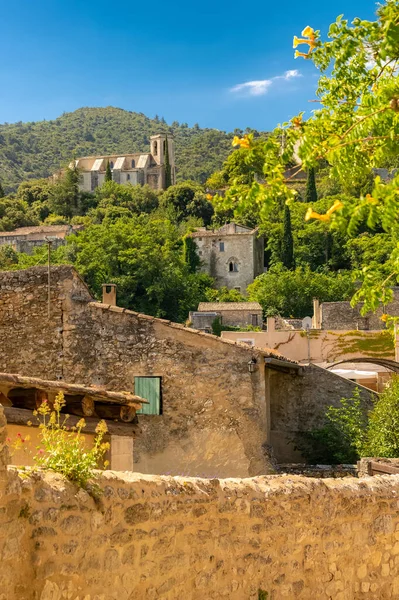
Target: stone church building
{"type": "Point", "coordinates": [215, 408]}
{"type": "Point", "coordinates": [136, 169]}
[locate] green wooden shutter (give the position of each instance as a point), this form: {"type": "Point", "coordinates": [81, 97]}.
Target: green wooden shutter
{"type": "Point", "coordinates": [150, 389]}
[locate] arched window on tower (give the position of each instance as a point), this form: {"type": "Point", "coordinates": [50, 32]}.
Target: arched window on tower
{"type": "Point", "coordinates": [155, 147]}
{"type": "Point", "coordinates": [111, 164]}
{"type": "Point", "coordinates": [233, 266]}
{"type": "Point", "coordinates": [133, 164]}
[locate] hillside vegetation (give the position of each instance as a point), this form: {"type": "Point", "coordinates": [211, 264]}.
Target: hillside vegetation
{"type": "Point", "coordinates": [37, 149]}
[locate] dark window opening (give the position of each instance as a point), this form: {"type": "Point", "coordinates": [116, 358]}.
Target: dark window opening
{"type": "Point", "coordinates": [111, 164]}
{"type": "Point", "coordinates": [133, 163]}
{"type": "Point", "coordinates": [254, 320]}
{"type": "Point", "coordinates": [155, 148]}
{"type": "Point", "coordinates": [128, 176]}
{"type": "Point", "coordinates": [233, 267]}
{"type": "Point", "coordinates": [221, 246]}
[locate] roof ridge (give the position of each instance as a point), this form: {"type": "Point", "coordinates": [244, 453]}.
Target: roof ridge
{"type": "Point", "coordinates": [269, 352]}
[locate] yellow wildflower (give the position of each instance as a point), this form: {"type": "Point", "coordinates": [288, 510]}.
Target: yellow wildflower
{"type": "Point", "coordinates": [336, 206]}
{"type": "Point", "coordinates": [301, 54]}
{"type": "Point", "coordinates": [309, 32]}
{"type": "Point", "coordinates": [242, 142]}
{"type": "Point", "coordinates": [384, 318]}
{"type": "Point", "coordinates": [311, 214]}
{"type": "Point", "coordinates": [370, 199]}
{"type": "Point", "coordinates": [297, 121]}
{"type": "Point", "coordinates": [209, 197]}
{"type": "Point", "coordinates": [297, 41]}
{"type": "Point", "coordinates": [29, 423]}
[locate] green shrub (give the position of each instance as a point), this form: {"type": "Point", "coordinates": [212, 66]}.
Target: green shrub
{"type": "Point", "coordinates": [382, 437]}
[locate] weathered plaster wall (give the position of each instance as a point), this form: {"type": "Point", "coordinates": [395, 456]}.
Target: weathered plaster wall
{"type": "Point", "coordinates": [171, 538]}
{"type": "Point", "coordinates": [309, 397]}
{"type": "Point", "coordinates": [325, 346]}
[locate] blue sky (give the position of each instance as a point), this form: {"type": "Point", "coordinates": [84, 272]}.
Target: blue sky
{"type": "Point", "coordinates": [182, 60]}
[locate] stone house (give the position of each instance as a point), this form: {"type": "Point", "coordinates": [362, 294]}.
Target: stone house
{"type": "Point", "coordinates": [215, 406]}
{"type": "Point", "coordinates": [233, 314]}
{"type": "Point", "coordinates": [232, 254]}
{"type": "Point", "coordinates": [137, 169]}
{"type": "Point", "coordinates": [26, 239]}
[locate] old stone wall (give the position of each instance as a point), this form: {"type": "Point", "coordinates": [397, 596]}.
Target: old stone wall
{"type": "Point", "coordinates": [193, 539]}
{"type": "Point", "coordinates": [214, 410]}
{"type": "Point", "coordinates": [309, 394]}
{"type": "Point", "coordinates": [341, 315]}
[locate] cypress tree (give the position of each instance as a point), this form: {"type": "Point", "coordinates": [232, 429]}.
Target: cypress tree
{"type": "Point", "coordinates": [190, 255]}
{"type": "Point", "coordinates": [2, 194]}
{"type": "Point", "coordinates": [168, 170]}
{"type": "Point", "coordinates": [287, 245]}
{"type": "Point", "coordinates": [108, 173]}
{"type": "Point", "coordinates": [311, 190]}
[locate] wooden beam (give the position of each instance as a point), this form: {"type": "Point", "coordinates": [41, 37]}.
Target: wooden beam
{"type": "Point", "coordinates": [95, 392]}
{"type": "Point", "coordinates": [21, 416]}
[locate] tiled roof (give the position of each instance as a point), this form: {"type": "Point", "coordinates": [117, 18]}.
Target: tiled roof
{"type": "Point", "coordinates": [222, 306]}
{"type": "Point", "coordinates": [39, 229]}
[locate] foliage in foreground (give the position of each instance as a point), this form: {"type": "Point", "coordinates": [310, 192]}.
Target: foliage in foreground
{"type": "Point", "coordinates": [63, 449]}
{"type": "Point", "coordinates": [351, 430]}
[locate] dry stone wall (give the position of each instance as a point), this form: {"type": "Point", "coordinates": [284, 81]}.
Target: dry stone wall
{"type": "Point", "coordinates": [174, 538]}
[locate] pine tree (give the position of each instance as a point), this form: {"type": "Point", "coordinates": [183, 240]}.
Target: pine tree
{"type": "Point", "coordinates": [168, 170]}
{"type": "Point", "coordinates": [2, 194]}
{"type": "Point", "coordinates": [311, 190]}
{"type": "Point", "coordinates": [287, 245]}
{"type": "Point", "coordinates": [108, 173]}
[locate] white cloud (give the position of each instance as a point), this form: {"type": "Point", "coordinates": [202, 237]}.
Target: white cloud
{"type": "Point", "coordinates": [261, 86]}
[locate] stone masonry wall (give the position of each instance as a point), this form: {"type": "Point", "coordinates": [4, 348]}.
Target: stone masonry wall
{"type": "Point", "coordinates": [152, 537]}
{"type": "Point", "coordinates": [341, 315]}
{"type": "Point", "coordinates": [309, 397]}
{"type": "Point", "coordinates": [214, 410]}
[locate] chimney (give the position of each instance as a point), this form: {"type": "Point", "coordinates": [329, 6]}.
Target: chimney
{"type": "Point", "coordinates": [271, 324]}
{"type": "Point", "coordinates": [316, 321]}
{"type": "Point", "coordinates": [109, 294]}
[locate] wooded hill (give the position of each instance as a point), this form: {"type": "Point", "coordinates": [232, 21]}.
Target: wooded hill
{"type": "Point", "coordinates": [37, 149]}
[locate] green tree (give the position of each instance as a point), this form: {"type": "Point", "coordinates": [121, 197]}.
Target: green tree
{"type": "Point", "coordinates": [143, 256]}
{"type": "Point", "coordinates": [113, 200]}
{"type": "Point", "coordinates": [108, 173]}
{"type": "Point", "coordinates": [287, 246]}
{"type": "Point", "coordinates": [64, 196]}
{"type": "Point", "coordinates": [168, 169]}
{"type": "Point", "coordinates": [224, 294]}
{"type": "Point", "coordinates": [382, 437]}
{"type": "Point", "coordinates": [187, 200]}
{"type": "Point", "coordinates": [311, 190]}
{"type": "Point", "coordinates": [190, 254]}
{"type": "Point", "coordinates": [291, 293]}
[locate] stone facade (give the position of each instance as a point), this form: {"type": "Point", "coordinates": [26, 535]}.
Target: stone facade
{"type": "Point", "coordinates": [26, 239]}
{"type": "Point", "coordinates": [233, 255]}
{"type": "Point", "coordinates": [136, 169]}
{"type": "Point", "coordinates": [193, 539]}
{"type": "Point", "coordinates": [215, 414]}
{"type": "Point", "coordinates": [232, 314]}
{"type": "Point", "coordinates": [341, 315]}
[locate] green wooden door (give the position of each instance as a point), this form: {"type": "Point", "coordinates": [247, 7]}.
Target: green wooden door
{"type": "Point", "coordinates": [150, 389]}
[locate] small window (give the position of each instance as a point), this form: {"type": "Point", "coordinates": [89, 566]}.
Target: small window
{"type": "Point", "coordinates": [128, 177]}
{"type": "Point", "coordinates": [254, 320]}
{"type": "Point", "coordinates": [233, 267]}
{"type": "Point", "coordinates": [221, 246]}
{"type": "Point", "coordinates": [149, 388]}
{"type": "Point", "coordinates": [238, 288]}
{"type": "Point", "coordinates": [111, 164]}
{"type": "Point", "coordinates": [155, 148]}
{"type": "Point", "coordinates": [200, 252]}
{"type": "Point", "coordinates": [200, 239]}
{"type": "Point", "coordinates": [133, 163]}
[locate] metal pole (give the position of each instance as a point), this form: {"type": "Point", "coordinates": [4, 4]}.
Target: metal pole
{"type": "Point", "coordinates": [49, 278]}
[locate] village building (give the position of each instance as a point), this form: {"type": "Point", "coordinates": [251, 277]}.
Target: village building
{"type": "Point", "coordinates": [231, 314]}
{"type": "Point", "coordinates": [22, 396]}
{"type": "Point", "coordinates": [232, 254]}
{"type": "Point", "coordinates": [138, 168]}
{"type": "Point", "coordinates": [337, 337]}
{"type": "Point", "coordinates": [215, 408]}
{"type": "Point", "coordinates": [26, 239]}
